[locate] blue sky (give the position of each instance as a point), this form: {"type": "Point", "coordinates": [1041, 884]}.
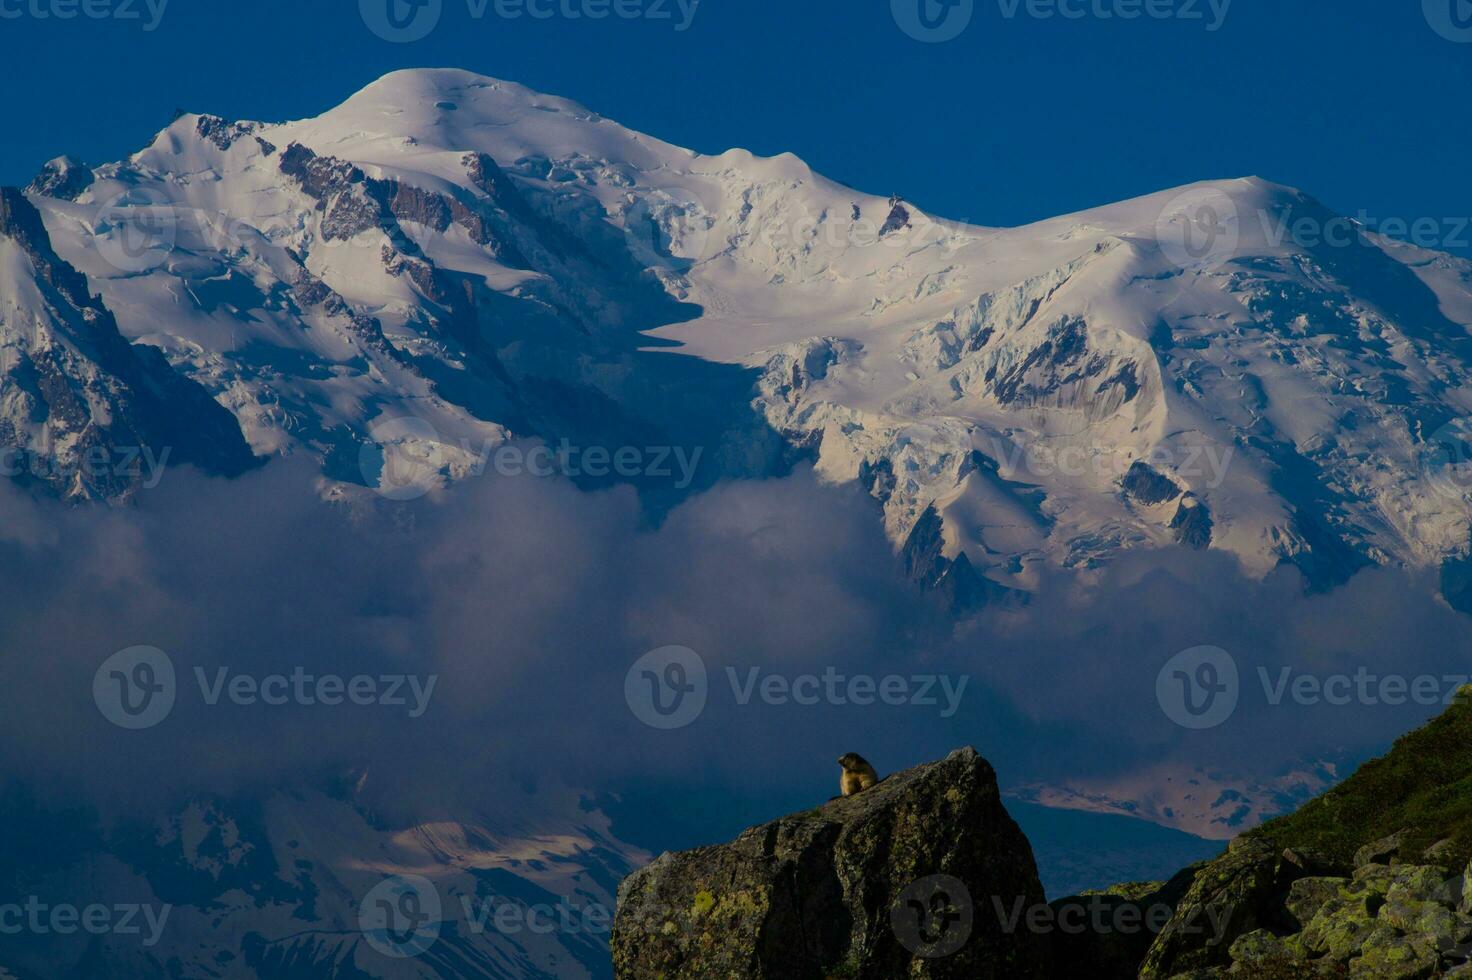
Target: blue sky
{"type": "Point", "coordinates": [1360, 102]}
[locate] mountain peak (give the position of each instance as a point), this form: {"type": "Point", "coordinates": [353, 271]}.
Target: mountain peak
{"type": "Point", "coordinates": [408, 92]}
{"type": "Point", "coordinates": [419, 80]}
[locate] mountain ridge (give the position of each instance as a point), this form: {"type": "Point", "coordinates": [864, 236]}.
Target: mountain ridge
{"type": "Point", "coordinates": [1015, 400]}
{"type": "Point", "coordinates": [1011, 379]}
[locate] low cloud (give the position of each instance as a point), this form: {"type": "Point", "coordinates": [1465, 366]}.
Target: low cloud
{"type": "Point", "coordinates": [528, 600]}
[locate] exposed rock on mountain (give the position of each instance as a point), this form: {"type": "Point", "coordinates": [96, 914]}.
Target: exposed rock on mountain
{"type": "Point", "coordinates": [1192, 523]}
{"type": "Point", "coordinates": [62, 178]}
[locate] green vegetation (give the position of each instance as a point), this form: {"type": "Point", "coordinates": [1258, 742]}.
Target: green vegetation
{"type": "Point", "coordinates": [1423, 786]}
{"type": "Point", "coordinates": [846, 970]}
{"type": "Point", "coordinates": [1134, 891]}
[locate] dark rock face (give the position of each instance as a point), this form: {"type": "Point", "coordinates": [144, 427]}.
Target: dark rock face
{"type": "Point", "coordinates": [1148, 485]}
{"type": "Point", "coordinates": [62, 178]}
{"type": "Point", "coordinates": [960, 586]}
{"type": "Point", "coordinates": [924, 875]}
{"type": "Point", "coordinates": [1064, 358]}
{"type": "Point", "coordinates": [899, 218]}
{"type": "Point", "coordinates": [1192, 523]}
{"type": "Point", "coordinates": [223, 133]}
{"type": "Point", "coordinates": [309, 291]}
{"type": "Point", "coordinates": [877, 479]}
{"type": "Point", "coordinates": [956, 581]}
{"type": "Point", "coordinates": [923, 556]}
{"type": "Point", "coordinates": [1384, 851]}
{"type": "Point", "coordinates": [503, 195]}
{"type": "Point", "coordinates": [353, 203]}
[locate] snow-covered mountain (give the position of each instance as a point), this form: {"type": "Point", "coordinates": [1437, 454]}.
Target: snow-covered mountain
{"type": "Point", "coordinates": [289, 886]}
{"type": "Point", "coordinates": [500, 263]}
{"type": "Point", "coordinates": [1210, 804]}
{"type": "Point", "coordinates": [447, 262]}
{"type": "Point", "coordinates": [82, 411]}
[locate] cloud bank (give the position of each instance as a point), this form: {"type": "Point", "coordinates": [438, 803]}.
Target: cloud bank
{"type": "Point", "coordinates": [528, 601]}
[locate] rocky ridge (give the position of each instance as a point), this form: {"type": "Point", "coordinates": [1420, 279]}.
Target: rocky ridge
{"type": "Point", "coordinates": [926, 875]}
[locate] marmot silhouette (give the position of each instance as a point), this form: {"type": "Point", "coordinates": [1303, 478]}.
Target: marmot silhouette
{"type": "Point", "coordinates": [857, 776]}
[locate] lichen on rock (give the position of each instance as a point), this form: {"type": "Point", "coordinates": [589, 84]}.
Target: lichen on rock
{"type": "Point", "coordinates": [924, 875]}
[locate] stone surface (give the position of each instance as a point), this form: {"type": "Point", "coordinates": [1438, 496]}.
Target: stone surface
{"type": "Point", "coordinates": [1226, 900]}
{"type": "Point", "coordinates": [1307, 862]}
{"type": "Point", "coordinates": [1307, 896]}
{"type": "Point", "coordinates": [828, 893]}
{"type": "Point", "coordinates": [1383, 851]}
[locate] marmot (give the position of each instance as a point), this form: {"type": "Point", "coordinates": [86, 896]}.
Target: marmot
{"type": "Point", "coordinates": [857, 774]}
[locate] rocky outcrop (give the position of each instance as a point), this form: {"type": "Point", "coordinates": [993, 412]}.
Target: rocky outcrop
{"type": "Point", "coordinates": [924, 875]}
{"type": "Point", "coordinates": [1192, 523]}
{"type": "Point", "coordinates": [222, 132]}
{"type": "Point", "coordinates": [1149, 486]}
{"type": "Point", "coordinates": [1228, 898]}
{"type": "Point", "coordinates": [1373, 881]}
{"type": "Point", "coordinates": [899, 217]}
{"type": "Point", "coordinates": [62, 178]}
{"type": "Point", "coordinates": [503, 195]}
{"type": "Point", "coordinates": [1253, 913]}
{"type": "Point", "coordinates": [354, 202]}
{"type": "Point", "coordinates": [955, 581]}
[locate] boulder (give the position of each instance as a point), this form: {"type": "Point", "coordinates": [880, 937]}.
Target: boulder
{"type": "Point", "coordinates": [923, 876]}
{"type": "Point", "coordinates": [1307, 896]}
{"type": "Point", "coordinates": [1229, 898]}
{"type": "Point", "coordinates": [1307, 862]}
{"type": "Point", "coordinates": [1439, 853]}
{"type": "Point", "coordinates": [1383, 851]}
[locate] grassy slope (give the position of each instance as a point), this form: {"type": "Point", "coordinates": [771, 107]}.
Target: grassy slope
{"type": "Point", "coordinates": [1424, 784]}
